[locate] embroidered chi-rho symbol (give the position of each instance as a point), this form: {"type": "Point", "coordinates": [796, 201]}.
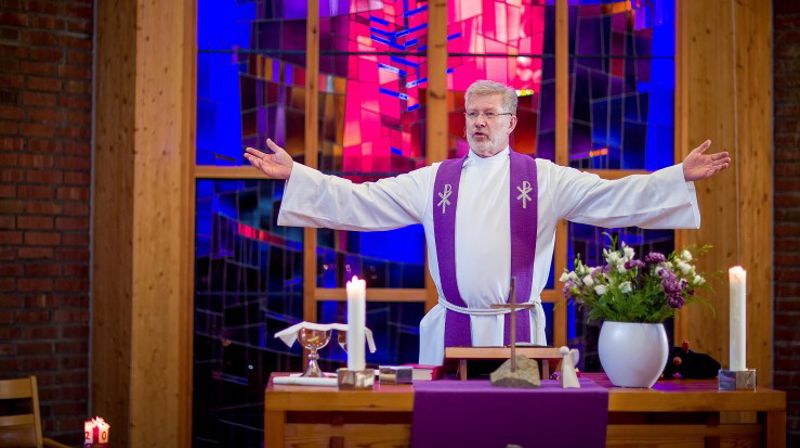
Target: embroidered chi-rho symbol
{"type": "Point", "coordinates": [523, 193]}
{"type": "Point", "coordinates": [445, 197]}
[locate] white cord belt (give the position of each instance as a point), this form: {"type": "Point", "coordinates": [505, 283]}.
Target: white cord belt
{"type": "Point", "coordinates": [537, 302]}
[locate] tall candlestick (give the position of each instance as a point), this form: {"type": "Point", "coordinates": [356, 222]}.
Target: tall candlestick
{"type": "Point", "coordinates": [356, 322]}
{"type": "Point", "coordinates": [738, 318]}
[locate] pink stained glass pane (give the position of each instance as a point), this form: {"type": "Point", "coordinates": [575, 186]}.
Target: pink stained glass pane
{"type": "Point", "coordinates": [373, 26]}
{"type": "Point", "coordinates": [373, 76]}
{"type": "Point", "coordinates": [509, 42]}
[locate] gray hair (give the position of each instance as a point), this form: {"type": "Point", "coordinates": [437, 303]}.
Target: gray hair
{"type": "Point", "coordinates": [483, 87]}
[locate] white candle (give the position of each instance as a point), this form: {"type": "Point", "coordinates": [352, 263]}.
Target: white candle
{"type": "Point", "coordinates": [738, 318]}
{"type": "Point", "coordinates": [356, 322]}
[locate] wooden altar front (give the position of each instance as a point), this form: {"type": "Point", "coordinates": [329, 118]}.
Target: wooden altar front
{"type": "Point", "coordinates": [684, 413]}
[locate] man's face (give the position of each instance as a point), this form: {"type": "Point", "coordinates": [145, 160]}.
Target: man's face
{"type": "Point", "coordinates": [488, 124]}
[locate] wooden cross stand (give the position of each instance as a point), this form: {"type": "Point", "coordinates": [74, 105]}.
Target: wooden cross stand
{"type": "Point", "coordinates": [513, 306]}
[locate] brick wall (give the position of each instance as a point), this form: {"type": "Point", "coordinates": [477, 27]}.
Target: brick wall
{"type": "Point", "coordinates": [45, 176]}
{"type": "Point", "coordinates": [786, 31]}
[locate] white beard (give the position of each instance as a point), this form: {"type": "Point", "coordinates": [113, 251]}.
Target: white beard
{"type": "Point", "coordinates": [488, 147]}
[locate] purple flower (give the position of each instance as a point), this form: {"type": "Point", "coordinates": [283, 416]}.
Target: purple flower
{"type": "Point", "coordinates": [670, 282]}
{"type": "Point", "coordinates": [654, 258]}
{"type": "Point", "coordinates": [675, 300]}
{"type": "Point", "coordinates": [631, 264]}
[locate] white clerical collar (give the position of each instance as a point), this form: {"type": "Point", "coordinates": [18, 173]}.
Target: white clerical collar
{"type": "Point", "coordinates": [500, 156]}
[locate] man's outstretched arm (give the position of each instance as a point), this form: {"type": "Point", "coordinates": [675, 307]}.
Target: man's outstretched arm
{"type": "Point", "coordinates": [698, 165]}
{"type": "Point", "coordinates": [314, 199]}
{"type": "Point", "coordinates": [277, 165]}
{"type": "Point", "coordinates": [663, 199]}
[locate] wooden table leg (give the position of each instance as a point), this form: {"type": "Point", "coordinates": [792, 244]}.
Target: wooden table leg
{"type": "Point", "coordinates": [462, 369]}
{"type": "Point", "coordinates": [776, 429]}
{"type": "Point", "coordinates": [545, 369]}
{"type": "Point", "coordinates": [274, 422]}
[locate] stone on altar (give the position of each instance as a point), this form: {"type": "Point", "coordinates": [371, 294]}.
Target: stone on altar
{"type": "Point", "coordinates": [526, 375]}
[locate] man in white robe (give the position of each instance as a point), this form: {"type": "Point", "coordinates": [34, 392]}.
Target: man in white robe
{"type": "Point", "coordinates": [663, 199]}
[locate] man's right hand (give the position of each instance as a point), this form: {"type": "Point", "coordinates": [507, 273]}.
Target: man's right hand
{"type": "Point", "coordinates": [277, 165]}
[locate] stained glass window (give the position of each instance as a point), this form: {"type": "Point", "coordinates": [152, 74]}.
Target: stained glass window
{"type": "Point", "coordinates": [511, 42]}
{"type": "Point", "coordinates": [622, 82]}
{"type": "Point", "coordinates": [248, 270]}
{"type": "Point", "coordinates": [372, 86]}
{"type": "Point", "coordinates": [250, 78]}
{"type": "Point", "coordinates": [248, 286]}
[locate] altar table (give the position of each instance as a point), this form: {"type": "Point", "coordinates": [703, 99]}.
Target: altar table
{"type": "Point", "coordinates": [675, 413]}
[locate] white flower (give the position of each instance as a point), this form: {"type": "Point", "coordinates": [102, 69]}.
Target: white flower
{"type": "Point", "coordinates": [600, 289]}
{"type": "Point", "coordinates": [625, 287]}
{"type": "Point", "coordinates": [629, 253]}
{"type": "Point", "coordinates": [612, 258]}
{"type": "Point", "coordinates": [699, 280]}
{"type": "Point", "coordinates": [621, 268]}
{"type": "Point", "coordinates": [684, 267]}
{"type": "Point", "coordinates": [686, 255]}
{"type": "Point", "coordinates": [573, 276]}
{"type": "Point", "coordinates": [588, 280]}
{"type": "Point", "coordinates": [564, 277]}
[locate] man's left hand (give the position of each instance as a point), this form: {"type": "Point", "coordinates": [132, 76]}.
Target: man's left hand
{"type": "Point", "coordinates": [698, 165]}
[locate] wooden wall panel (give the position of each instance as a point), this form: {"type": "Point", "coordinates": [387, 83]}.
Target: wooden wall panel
{"type": "Point", "coordinates": [726, 96]}
{"type": "Point", "coordinates": [142, 298]}
{"type": "Point", "coordinates": [753, 25]}
{"type": "Point", "coordinates": [112, 226]}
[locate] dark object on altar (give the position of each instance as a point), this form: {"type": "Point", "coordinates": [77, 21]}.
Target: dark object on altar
{"type": "Point", "coordinates": [686, 364]}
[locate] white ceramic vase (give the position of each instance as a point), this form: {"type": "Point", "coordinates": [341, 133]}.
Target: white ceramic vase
{"type": "Point", "coordinates": [633, 354]}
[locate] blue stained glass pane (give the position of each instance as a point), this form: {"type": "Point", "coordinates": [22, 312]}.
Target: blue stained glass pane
{"type": "Point", "coordinates": [624, 53]}
{"type": "Point", "coordinates": [248, 286]}
{"type": "Point", "coordinates": [392, 259]}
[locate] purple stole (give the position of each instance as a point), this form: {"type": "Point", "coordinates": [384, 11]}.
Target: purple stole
{"type": "Point", "coordinates": [523, 197]}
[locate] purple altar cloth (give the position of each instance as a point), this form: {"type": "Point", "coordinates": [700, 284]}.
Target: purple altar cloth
{"type": "Point", "coordinates": [476, 414]}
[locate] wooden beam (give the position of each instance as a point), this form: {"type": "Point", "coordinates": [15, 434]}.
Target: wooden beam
{"type": "Point", "coordinates": [562, 82]}
{"type": "Point", "coordinates": [141, 305]}
{"type": "Point", "coordinates": [552, 295]}
{"type": "Point", "coordinates": [186, 323]}
{"type": "Point", "coordinates": [754, 173]}
{"type": "Point", "coordinates": [228, 172]}
{"type": "Point", "coordinates": [112, 223]}
{"type": "Point", "coordinates": [616, 174]}
{"type": "Point", "coordinates": [375, 294]}
{"type": "Point", "coordinates": [436, 106]}
{"type": "Point", "coordinates": [311, 155]}
{"type": "Point", "coordinates": [562, 158]}
{"type": "Point", "coordinates": [681, 117]}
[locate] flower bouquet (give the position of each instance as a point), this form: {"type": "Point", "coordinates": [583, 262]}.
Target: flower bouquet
{"type": "Point", "coordinates": [633, 297]}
